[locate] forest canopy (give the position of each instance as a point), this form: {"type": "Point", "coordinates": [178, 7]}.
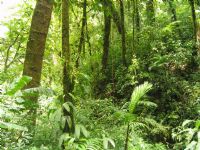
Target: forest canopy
{"type": "Point", "coordinates": [100, 74]}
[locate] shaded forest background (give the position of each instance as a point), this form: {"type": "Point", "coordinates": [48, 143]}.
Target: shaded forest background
{"type": "Point", "coordinates": [101, 74]}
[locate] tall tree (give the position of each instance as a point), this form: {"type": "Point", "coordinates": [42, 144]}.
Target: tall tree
{"type": "Point", "coordinates": [123, 33]}
{"type": "Point", "coordinates": [194, 19]}
{"type": "Point", "coordinates": [83, 30]}
{"type": "Point", "coordinates": [67, 78]}
{"type": "Point", "coordinates": [133, 25]}
{"type": "Point", "coordinates": [114, 13]}
{"type": "Point", "coordinates": [106, 44]}
{"type": "Point", "coordinates": [137, 18]}
{"type": "Point", "coordinates": [36, 46]}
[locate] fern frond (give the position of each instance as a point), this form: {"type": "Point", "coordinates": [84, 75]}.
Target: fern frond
{"type": "Point", "coordinates": [94, 144]}
{"type": "Point", "coordinates": [148, 104]}
{"type": "Point", "coordinates": [155, 126]}
{"type": "Point", "coordinates": [139, 126]}
{"type": "Point", "coordinates": [137, 94]}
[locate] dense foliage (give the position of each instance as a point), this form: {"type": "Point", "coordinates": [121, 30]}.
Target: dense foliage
{"type": "Point", "coordinates": [133, 81]}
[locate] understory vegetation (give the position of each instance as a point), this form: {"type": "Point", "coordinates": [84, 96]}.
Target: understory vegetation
{"type": "Point", "coordinates": [101, 74]}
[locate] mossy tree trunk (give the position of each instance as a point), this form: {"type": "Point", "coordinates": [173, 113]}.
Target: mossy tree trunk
{"type": "Point", "coordinates": [114, 13]}
{"type": "Point", "coordinates": [194, 64]}
{"type": "Point", "coordinates": [133, 26]}
{"type": "Point", "coordinates": [83, 30]}
{"type": "Point", "coordinates": [123, 33]}
{"type": "Point", "coordinates": [137, 20]}
{"type": "Point", "coordinates": [67, 78]}
{"type": "Point", "coordinates": [106, 43]}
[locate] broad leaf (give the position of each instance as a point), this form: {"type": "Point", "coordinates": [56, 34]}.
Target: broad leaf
{"type": "Point", "coordinates": [18, 85]}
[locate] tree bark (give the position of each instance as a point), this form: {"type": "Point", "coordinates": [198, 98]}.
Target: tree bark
{"type": "Point", "coordinates": [36, 46]}
{"type": "Point", "coordinates": [88, 38]}
{"type": "Point", "coordinates": [67, 79]}
{"type": "Point", "coordinates": [106, 44]}
{"type": "Point", "coordinates": [83, 29]}
{"type": "Point", "coordinates": [137, 19]}
{"type": "Point", "coordinates": [194, 64]}
{"type": "Point", "coordinates": [123, 33]}
{"type": "Point", "coordinates": [115, 15]}
{"type": "Point", "coordinates": [192, 5]}
{"type": "Point", "coordinates": [133, 26]}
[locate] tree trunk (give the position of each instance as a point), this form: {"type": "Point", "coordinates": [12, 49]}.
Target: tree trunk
{"type": "Point", "coordinates": [133, 26]}
{"type": "Point", "coordinates": [67, 79]}
{"type": "Point", "coordinates": [194, 64]}
{"type": "Point", "coordinates": [114, 13]}
{"type": "Point", "coordinates": [137, 19]}
{"type": "Point", "coordinates": [83, 28]}
{"type": "Point", "coordinates": [35, 47]}
{"type": "Point", "coordinates": [106, 44]}
{"type": "Point", "coordinates": [192, 5]}
{"type": "Point", "coordinates": [88, 38]}
{"type": "Point", "coordinates": [123, 33]}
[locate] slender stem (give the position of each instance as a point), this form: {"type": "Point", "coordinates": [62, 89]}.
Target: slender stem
{"type": "Point", "coordinates": [127, 137]}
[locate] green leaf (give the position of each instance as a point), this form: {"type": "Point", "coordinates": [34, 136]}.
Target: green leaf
{"type": "Point", "coordinates": [63, 137]}
{"type": "Point", "coordinates": [197, 124]}
{"type": "Point", "coordinates": [124, 116]}
{"type": "Point", "coordinates": [69, 106]}
{"type": "Point", "coordinates": [35, 91]}
{"type": "Point", "coordinates": [148, 104]}
{"type": "Point", "coordinates": [18, 85]}
{"type": "Point", "coordinates": [137, 94]}
{"type": "Point", "coordinates": [77, 131]}
{"type": "Point", "coordinates": [84, 131]}
{"type": "Point", "coordinates": [186, 122]}
{"type": "Point", "coordinates": [198, 143]}
{"type": "Point", "coordinates": [66, 106]}
{"type": "Point", "coordinates": [107, 141]}
{"type": "Point", "coordinates": [111, 142]}
{"type": "Point", "coordinates": [6, 125]}
{"type": "Point", "coordinates": [191, 146]}
{"type": "Point", "coordinates": [69, 121]}
{"type": "Point", "coordinates": [80, 129]}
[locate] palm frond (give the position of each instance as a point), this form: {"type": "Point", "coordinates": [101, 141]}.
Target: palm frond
{"type": "Point", "coordinates": [137, 94]}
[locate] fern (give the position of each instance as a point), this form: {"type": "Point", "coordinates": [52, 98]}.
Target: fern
{"type": "Point", "coordinates": [154, 126]}
{"type": "Point", "coordinates": [6, 125]}
{"type": "Point", "coordinates": [148, 104]}
{"type": "Point", "coordinates": [137, 94]}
